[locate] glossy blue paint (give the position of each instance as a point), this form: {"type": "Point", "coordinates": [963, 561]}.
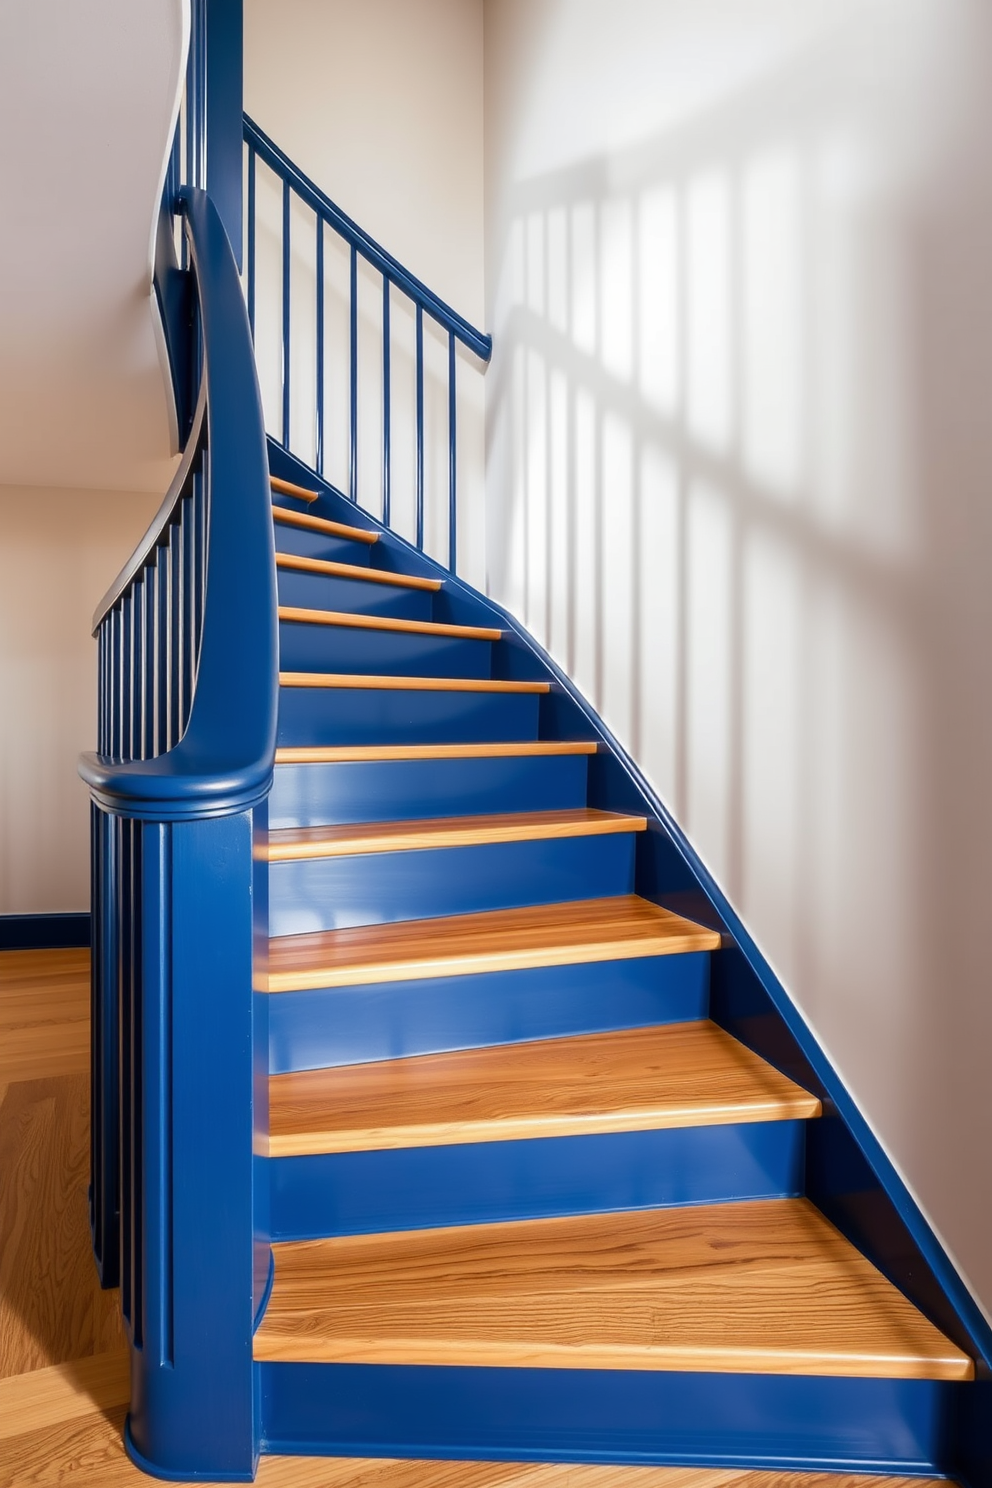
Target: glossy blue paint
{"type": "Point", "coordinates": [377, 888]}
{"type": "Point", "coordinates": [320, 545]}
{"type": "Point", "coordinates": [578, 1415]}
{"type": "Point", "coordinates": [223, 104]}
{"type": "Point", "coordinates": [325, 592]}
{"type": "Point", "coordinates": [377, 715]}
{"type": "Point", "coordinates": [223, 762]}
{"type": "Point", "coordinates": [352, 1193]}
{"type": "Point", "coordinates": [393, 790]}
{"type": "Point", "coordinates": [353, 1025]}
{"type": "Point", "coordinates": [305, 647]}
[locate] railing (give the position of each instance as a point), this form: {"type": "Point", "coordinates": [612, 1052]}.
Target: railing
{"type": "Point", "coordinates": [186, 744]}
{"type": "Point", "coordinates": [395, 278]}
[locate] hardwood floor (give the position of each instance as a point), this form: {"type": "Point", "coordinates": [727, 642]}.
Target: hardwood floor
{"type": "Point", "coordinates": [63, 1370]}
{"type": "Point", "coordinates": [51, 1306]}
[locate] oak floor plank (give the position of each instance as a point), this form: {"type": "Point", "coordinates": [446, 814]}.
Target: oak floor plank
{"type": "Point", "coordinates": [636, 1079]}
{"type": "Point", "coordinates": [764, 1286]}
{"type": "Point", "coordinates": [286, 844]}
{"type": "Point", "coordinates": [355, 571]}
{"type": "Point", "coordinates": [496, 940]}
{"type": "Point", "coordinates": [338, 754]}
{"type": "Point", "coordinates": [52, 1308]}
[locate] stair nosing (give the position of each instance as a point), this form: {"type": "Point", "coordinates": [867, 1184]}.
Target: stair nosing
{"type": "Point", "coordinates": [390, 682]}
{"type": "Point", "coordinates": [307, 523]}
{"type": "Point", "coordinates": [329, 568]}
{"type": "Point", "coordinates": [369, 970]}
{"type": "Point", "coordinates": [289, 488]}
{"type": "Point", "coordinates": [763, 1093]}
{"type": "Point", "coordinates": [298, 615]}
{"type": "Point", "coordinates": [422, 834]}
{"type": "Point", "coordinates": [337, 754]}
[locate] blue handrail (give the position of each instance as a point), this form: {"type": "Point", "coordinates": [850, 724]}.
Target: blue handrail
{"type": "Point", "coordinates": [223, 761]}
{"type": "Point", "coordinates": [394, 277]}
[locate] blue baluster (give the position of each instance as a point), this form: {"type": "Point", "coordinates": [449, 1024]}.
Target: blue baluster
{"type": "Point", "coordinates": [385, 400]}
{"type": "Point", "coordinates": [452, 511]}
{"type": "Point", "coordinates": [320, 345]}
{"type": "Point", "coordinates": [353, 459]}
{"type": "Point", "coordinates": [420, 426]}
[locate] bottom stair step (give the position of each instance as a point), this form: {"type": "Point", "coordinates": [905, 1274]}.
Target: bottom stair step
{"type": "Point", "coordinates": [767, 1287]}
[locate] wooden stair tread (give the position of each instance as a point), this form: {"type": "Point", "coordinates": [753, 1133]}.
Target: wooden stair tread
{"type": "Point", "coordinates": [321, 524]}
{"type": "Point", "coordinates": [287, 488]}
{"type": "Point", "coordinates": [386, 682]}
{"type": "Point", "coordinates": [562, 934]}
{"type": "Point", "coordinates": [634, 1079]}
{"type": "Point", "coordinates": [387, 622]}
{"type": "Point", "coordinates": [338, 754]}
{"type": "Point", "coordinates": [765, 1286]}
{"type": "Point", "coordinates": [355, 571]}
{"type": "Point", "coordinates": [287, 844]}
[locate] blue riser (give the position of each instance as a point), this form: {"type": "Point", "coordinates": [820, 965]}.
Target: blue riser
{"type": "Point", "coordinates": [371, 715]}
{"type": "Point", "coordinates": [341, 648]}
{"type": "Point", "coordinates": [321, 545]}
{"type": "Point", "coordinates": [327, 592]}
{"type": "Point", "coordinates": [387, 790]}
{"type": "Point", "coordinates": [378, 888]}
{"type": "Point", "coordinates": [353, 1193]}
{"type": "Point", "coordinates": [352, 1025]}
{"type": "Point", "coordinates": [567, 1415]}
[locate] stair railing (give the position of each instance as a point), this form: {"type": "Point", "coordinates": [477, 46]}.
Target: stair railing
{"type": "Point", "coordinates": [395, 278]}
{"type": "Point", "coordinates": [187, 638]}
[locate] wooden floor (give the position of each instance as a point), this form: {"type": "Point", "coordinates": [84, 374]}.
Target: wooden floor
{"type": "Point", "coordinates": [63, 1371]}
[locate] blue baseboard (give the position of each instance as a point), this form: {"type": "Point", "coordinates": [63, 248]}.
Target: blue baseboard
{"type": "Point", "coordinates": [44, 932]}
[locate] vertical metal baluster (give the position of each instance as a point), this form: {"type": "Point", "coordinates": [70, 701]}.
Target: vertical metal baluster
{"type": "Point", "coordinates": [127, 706]}
{"type": "Point", "coordinates": [203, 526]}
{"type": "Point", "coordinates": [353, 459]}
{"type": "Point", "coordinates": [385, 401]}
{"type": "Point", "coordinates": [175, 630]}
{"type": "Point", "coordinates": [189, 574]}
{"type": "Point", "coordinates": [285, 314]}
{"type": "Point", "coordinates": [320, 345]}
{"type": "Point", "coordinates": [116, 684]}
{"type": "Point", "coordinates": [152, 656]}
{"type": "Point", "coordinates": [101, 692]}
{"type": "Point", "coordinates": [452, 504]}
{"type": "Point", "coordinates": [251, 239]}
{"type": "Point", "coordinates": [420, 427]}
{"type": "Point", "coordinates": [165, 644]}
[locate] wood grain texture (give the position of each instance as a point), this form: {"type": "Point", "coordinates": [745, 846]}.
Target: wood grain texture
{"type": "Point", "coordinates": [87, 1452]}
{"type": "Point", "coordinates": [387, 683]}
{"type": "Point", "coordinates": [288, 844]}
{"type": "Point", "coordinates": [287, 488]}
{"type": "Point", "coordinates": [637, 1079]}
{"type": "Point", "coordinates": [51, 1306]}
{"type": "Point", "coordinates": [497, 940]}
{"type": "Point", "coordinates": [764, 1287]}
{"type": "Point", "coordinates": [342, 754]}
{"type": "Point", "coordinates": [64, 1392]}
{"type": "Point", "coordinates": [44, 1013]}
{"type": "Point", "coordinates": [355, 571]}
{"type": "Point", "coordinates": [321, 524]}
{"type": "Point", "coordinates": [387, 622]}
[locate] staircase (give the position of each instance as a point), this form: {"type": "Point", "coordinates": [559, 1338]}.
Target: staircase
{"type": "Point", "coordinates": [443, 1107]}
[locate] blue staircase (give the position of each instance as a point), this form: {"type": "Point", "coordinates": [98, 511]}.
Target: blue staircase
{"type": "Point", "coordinates": [442, 1106]}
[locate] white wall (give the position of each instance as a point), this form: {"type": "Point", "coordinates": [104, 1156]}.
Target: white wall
{"type": "Point", "coordinates": [381, 105]}
{"type": "Point", "coordinates": [739, 274]}
{"type": "Point", "coordinates": [87, 96]}
{"type": "Point", "coordinates": [59, 551]}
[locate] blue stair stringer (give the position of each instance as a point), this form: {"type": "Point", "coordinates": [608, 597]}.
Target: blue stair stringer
{"type": "Point", "coordinates": [906, 1426]}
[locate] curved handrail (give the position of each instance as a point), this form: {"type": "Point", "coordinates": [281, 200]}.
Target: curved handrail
{"type": "Point", "coordinates": [371, 251]}
{"type": "Point", "coordinates": [178, 488]}
{"type": "Point", "coordinates": [224, 761]}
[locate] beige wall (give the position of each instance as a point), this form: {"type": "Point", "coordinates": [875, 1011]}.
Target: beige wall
{"type": "Point", "coordinates": [59, 550]}
{"type": "Point", "coordinates": [380, 103]}
{"type": "Point", "coordinates": [739, 274]}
